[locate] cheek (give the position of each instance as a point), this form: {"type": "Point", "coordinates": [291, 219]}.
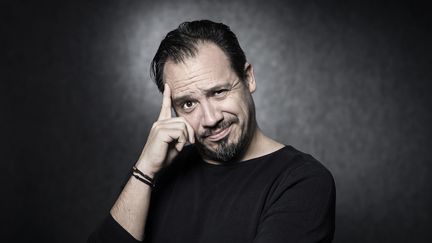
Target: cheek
{"type": "Point", "coordinates": [234, 106]}
{"type": "Point", "coordinates": [231, 105]}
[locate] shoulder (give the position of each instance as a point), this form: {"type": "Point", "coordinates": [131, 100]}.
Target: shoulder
{"type": "Point", "coordinates": [296, 162]}
{"type": "Point", "coordinates": [299, 167]}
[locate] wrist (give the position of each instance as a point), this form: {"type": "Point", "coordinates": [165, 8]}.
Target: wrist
{"type": "Point", "coordinates": [146, 168]}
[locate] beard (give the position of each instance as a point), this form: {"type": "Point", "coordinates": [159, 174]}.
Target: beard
{"type": "Point", "coordinates": [226, 151]}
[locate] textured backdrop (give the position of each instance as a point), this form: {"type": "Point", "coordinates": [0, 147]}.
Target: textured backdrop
{"type": "Point", "coordinates": [349, 83]}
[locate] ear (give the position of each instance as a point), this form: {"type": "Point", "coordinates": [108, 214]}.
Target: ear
{"type": "Point", "coordinates": [250, 78]}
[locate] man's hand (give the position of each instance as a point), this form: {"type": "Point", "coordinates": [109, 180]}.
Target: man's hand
{"type": "Point", "coordinates": [167, 138]}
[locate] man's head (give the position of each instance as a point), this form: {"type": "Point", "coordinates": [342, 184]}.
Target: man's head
{"type": "Point", "coordinates": [208, 87]}
{"type": "Point", "coordinates": [182, 43]}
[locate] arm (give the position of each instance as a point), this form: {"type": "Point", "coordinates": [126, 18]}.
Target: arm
{"type": "Point", "coordinates": [301, 209]}
{"type": "Point", "coordinates": [166, 139]}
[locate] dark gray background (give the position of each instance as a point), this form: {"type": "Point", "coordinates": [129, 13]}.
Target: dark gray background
{"type": "Point", "coordinates": [347, 82]}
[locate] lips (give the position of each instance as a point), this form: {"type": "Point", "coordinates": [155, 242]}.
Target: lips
{"type": "Point", "coordinates": [219, 134]}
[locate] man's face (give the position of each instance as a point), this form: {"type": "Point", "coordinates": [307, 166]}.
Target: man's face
{"type": "Point", "coordinates": [215, 102]}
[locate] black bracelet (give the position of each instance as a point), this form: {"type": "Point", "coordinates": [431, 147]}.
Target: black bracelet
{"type": "Point", "coordinates": [135, 169]}
{"type": "Point", "coordinates": [144, 180]}
{"type": "Point", "coordinates": [142, 177]}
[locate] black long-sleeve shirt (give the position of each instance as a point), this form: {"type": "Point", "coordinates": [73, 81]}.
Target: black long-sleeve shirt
{"type": "Point", "coordinates": [285, 196]}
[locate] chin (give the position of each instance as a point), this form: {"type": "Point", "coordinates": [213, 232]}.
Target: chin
{"type": "Point", "coordinates": [223, 151]}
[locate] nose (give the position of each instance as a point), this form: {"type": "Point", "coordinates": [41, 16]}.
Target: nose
{"type": "Point", "coordinates": [211, 116]}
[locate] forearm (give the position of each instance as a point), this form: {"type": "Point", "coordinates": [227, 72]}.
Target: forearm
{"type": "Point", "coordinates": [131, 208]}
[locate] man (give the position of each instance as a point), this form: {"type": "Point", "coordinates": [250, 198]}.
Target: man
{"type": "Point", "coordinates": [232, 183]}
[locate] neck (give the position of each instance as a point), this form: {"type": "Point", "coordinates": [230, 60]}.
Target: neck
{"type": "Point", "coordinates": [260, 145]}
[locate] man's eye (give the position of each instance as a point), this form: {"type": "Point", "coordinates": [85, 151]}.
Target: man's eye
{"type": "Point", "coordinates": [221, 92]}
{"type": "Point", "coordinates": [188, 105]}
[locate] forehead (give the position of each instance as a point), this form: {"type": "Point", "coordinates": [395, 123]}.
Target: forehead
{"type": "Point", "coordinates": [209, 68]}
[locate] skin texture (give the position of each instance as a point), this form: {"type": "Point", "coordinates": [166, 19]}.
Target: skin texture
{"type": "Point", "coordinates": [215, 111]}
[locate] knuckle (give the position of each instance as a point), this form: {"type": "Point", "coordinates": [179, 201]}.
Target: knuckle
{"type": "Point", "coordinates": [185, 122]}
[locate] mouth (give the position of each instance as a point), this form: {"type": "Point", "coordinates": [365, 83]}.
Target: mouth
{"type": "Point", "coordinates": [219, 134]}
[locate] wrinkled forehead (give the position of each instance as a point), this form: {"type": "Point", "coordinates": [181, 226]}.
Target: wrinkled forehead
{"type": "Point", "coordinates": [209, 68]}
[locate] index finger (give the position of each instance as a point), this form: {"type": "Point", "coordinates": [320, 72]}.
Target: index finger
{"type": "Point", "coordinates": [165, 112]}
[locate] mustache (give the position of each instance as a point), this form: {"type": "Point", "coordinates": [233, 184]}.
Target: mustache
{"type": "Point", "coordinates": [220, 126]}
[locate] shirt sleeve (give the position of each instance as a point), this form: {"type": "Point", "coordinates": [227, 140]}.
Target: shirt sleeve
{"type": "Point", "coordinates": [301, 208]}
{"type": "Point", "coordinates": [110, 232]}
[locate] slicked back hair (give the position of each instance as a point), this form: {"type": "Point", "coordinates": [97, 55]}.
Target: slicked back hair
{"type": "Point", "coordinates": [182, 43]}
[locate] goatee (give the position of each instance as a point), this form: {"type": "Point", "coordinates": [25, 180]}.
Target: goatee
{"type": "Point", "coordinates": [225, 151]}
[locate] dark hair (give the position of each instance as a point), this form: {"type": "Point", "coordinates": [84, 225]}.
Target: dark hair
{"type": "Point", "coordinates": [182, 43]}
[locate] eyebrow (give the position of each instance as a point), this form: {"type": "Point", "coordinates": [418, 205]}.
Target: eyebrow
{"type": "Point", "coordinates": [181, 99]}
